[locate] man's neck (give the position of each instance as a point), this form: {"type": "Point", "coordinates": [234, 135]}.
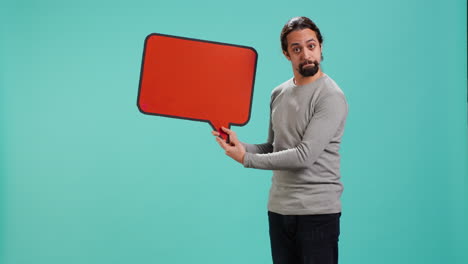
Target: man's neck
{"type": "Point", "coordinates": [301, 80]}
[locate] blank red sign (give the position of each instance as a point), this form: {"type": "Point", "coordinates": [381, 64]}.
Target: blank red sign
{"type": "Point", "coordinates": [197, 80]}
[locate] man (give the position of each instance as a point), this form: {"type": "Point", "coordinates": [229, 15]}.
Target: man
{"type": "Point", "coordinates": [307, 119]}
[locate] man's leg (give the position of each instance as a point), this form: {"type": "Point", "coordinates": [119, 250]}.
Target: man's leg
{"type": "Point", "coordinates": [282, 238]}
{"type": "Point", "coordinates": [317, 238]}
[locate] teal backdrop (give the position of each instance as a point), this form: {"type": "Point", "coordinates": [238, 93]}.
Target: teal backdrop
{"type": "Point", "coordinates": [87, 179]}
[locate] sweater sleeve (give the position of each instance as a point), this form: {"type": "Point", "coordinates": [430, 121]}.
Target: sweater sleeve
{"type": "Point", "coordinates": [330, 113]}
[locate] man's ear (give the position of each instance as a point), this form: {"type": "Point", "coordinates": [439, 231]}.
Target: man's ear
{"type": "Point", "coordinates": [321, 53]}
{"type": "Point", "coordinates": [286, 54]}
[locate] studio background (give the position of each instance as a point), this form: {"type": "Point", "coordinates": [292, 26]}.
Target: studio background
{"type": "Point", "coordinates": [86, 178]}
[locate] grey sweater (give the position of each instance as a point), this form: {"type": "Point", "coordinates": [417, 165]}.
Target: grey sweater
{"type": "Point", "coordinates": [306, 126]}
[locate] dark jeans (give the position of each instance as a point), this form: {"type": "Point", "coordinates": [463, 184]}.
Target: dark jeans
{"type": "Point", "coordinates": [304, 239]}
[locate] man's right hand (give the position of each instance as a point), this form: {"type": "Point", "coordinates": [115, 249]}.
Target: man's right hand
{"type": "Point", "coordinates": [234, 149]}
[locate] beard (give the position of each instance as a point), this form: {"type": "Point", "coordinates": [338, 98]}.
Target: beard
{"type": "Point", "coordinates": [310, 70]}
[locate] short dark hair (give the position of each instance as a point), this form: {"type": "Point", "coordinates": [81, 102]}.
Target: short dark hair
{"type": "Point", "coordinates": [298, 23]}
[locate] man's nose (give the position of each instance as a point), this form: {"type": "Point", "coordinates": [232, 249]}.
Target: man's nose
{"type": "Point", "coordinates": [307, 54]}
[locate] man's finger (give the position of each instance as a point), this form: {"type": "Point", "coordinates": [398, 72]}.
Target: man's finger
{"type": "Point", "coordinates": [215, 133]}
{"type": "Point", "coordinates": [227, 130]}
{"type": "Point", "coordinates": [222, 143]}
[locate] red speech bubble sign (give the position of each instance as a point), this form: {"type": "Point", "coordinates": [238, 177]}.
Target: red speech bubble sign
{"type": "Point", "coordinates": [197, 80]}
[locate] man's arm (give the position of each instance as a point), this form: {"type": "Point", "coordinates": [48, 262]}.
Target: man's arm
{"type": "Point", "coordinates": [330, 113]}
{"type": "Point", "coordinates": [236, 149]}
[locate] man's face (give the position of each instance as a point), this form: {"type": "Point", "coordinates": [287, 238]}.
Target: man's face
{"type": "Point", "coordinates": [304, 52]}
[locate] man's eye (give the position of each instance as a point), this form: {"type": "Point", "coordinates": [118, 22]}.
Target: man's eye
{"type": "Point", "coordinates": [312, 46]}
{"type": "Point", "coordinates": [296, 49]}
